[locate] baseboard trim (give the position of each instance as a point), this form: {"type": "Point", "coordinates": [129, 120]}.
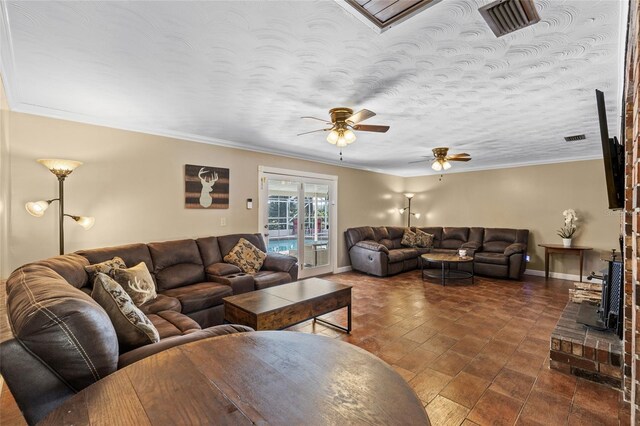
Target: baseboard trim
{"type": "Point", "coordinates": [342, 269]}
{"type": "Point", "coordinates": [558, 275]}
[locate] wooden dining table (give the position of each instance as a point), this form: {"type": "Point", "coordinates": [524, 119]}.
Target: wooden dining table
{"type": "Point", "coordinates": [264, 377]}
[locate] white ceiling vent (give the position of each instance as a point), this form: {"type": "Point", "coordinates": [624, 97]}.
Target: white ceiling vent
{"type": "Point", "coordinates": [507, 16]}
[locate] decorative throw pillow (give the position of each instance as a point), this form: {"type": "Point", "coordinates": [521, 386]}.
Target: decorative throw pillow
{"type": "Point", "coordinates": [408, 238]}
{"type": "Point", "coordinates": [137, 282]}
{"type": "Point", "coordinates": [424, 239]}
{"type": "Point", "coordinates": [105, 267]}
{"type": "Point", "coordinates": [246, 256]}
{"type": "Point", "coordinates": [133, 328]}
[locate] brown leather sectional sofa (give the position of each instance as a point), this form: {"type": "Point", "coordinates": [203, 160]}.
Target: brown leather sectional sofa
{"type": "Point", "coordinates": [497, 252]}
{"type": "Point", "coordinates": [64, 341]}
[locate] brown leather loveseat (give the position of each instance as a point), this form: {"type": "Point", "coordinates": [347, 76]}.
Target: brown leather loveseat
{"type": "Point", "coordinates": [497, 252]}
{"type": "Point", "coordinates": [64, 340]}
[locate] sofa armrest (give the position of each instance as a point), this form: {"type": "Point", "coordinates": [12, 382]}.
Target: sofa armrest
{"type": "Point", "coordinates": [471, 247]}
{"type": "Point", "coordinates": [221, 269]}
{"type": "Point", "coordinates": [170, 342]}
{"type": "Point", "coordinates": [515, 248]}
{"type": "Point", "coordinates": [279, 262]}
{"type": "Point", "coordinates": [372, 245]}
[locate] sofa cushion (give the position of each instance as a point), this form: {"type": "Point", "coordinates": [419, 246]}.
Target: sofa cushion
{"type": "Point", "coordinates": [398, 255]}
{"type": "Point", "coordinates": [227, 242]}
{"type": "Point", "coordinates": [209, 250]}
{"type": "Point", "coordinates": [176, 263]}
{"type": "Point", "coordinates": [196, 297]}
{"type": "Point", "coordinates": [246, 256]}
{"type": "Point", "coordinates": [132, 254]}
{"type": "Point", "coordinates": [105, 267]}
{"type": "Point", "coordinates": [380, 233]}
{"type": "Point", "coordinates": [220, 269]}
{"type": "Point", "coordinates": [161, 303]}
{"type": "Point", "coordinates": [387, 243]}
{"type": "Point", "coordinates": [409, 238]}
{"type": "Point", "coordinates": [493, 258]}
{"type": "Point", "coordinates": [424, 239]}
{"type": "Point", "coordinates": [133, 328]}
{"type": "Point", "coordinates": [137, 282]}
{"type": "Point", "coordinates": [265, 279]}
{"type": "Point", "coordinates": [496, 240]}
{"type": "Point", "coordinates": [436, 231]}
{"type": "Point", "coordinates": [172, 323]}
{"type": "Point", "coordinates": [453, 238]}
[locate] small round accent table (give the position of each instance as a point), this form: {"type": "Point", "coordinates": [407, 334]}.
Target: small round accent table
{"type": "Point", "coordinates": [445, 272]}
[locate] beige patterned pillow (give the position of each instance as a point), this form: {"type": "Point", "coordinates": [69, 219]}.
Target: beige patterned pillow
{"type": "Point", "coordinates": [424, 239]}
{"type": "Point", "coordinates": [133, 328]}
{"type": "Point", "coordinates": [105, 267]}
{"type": "Point", "coordinates": [408, 238]}
{"type": "Point", "coordinates": [246, 256]}
{"type": "Point", "coordinates": [137, 282]}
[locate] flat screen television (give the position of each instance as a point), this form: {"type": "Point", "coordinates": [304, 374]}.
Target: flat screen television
{"type": "Point", "coordinates": [613, 153]}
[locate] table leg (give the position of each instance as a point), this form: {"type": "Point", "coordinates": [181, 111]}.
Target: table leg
{"type": "Point", "coordinates": [443, 273]}
{"type": "Point", "coordinates": [546, 263]}
{"type": "Point", "coordinates": [349, 318]}
{"type": "Point", "coordinates": [581, 261]}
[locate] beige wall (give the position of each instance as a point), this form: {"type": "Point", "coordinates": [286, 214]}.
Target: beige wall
{"type": "Point", "coordinates": [133, 184]}
{"type": "Point", "coordinates": [4, 181]}
{"type": "Point", "coordinates": [533, 198]}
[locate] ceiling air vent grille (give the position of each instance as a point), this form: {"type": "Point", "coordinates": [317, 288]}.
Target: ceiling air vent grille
{"type": "Point", "coordinates": [507, 16]}
{"type": "Point", "coordinates": [575, 138]}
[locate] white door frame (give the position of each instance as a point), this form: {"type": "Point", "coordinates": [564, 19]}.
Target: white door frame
{"type": "Point", "coordinates": [265, 172]}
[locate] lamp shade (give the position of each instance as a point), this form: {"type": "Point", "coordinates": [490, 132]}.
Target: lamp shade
{"type": "Point", "coordinates": [37, 208]}
{"type": "Point", "coordinates": [333, 137]}
{"type": "Point", "coordinates": [86, 222]}
{"type": "Point", "coordinates": [60, 167]}
{"type": "Point", "coordinates": [409, 194]}
{"type": "Point", "coordinates": [436, 166]}
{"type": "Point", "coordinates": [349, 136]}
{"type": "Point", "coordinates": [446, 165]}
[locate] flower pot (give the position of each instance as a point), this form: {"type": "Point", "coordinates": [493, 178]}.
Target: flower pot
{"type": "Point", "coordinates": [566, 242]}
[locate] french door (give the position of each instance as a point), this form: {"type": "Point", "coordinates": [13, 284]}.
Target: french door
{"type": "Point", "coordinates": [297, 217]}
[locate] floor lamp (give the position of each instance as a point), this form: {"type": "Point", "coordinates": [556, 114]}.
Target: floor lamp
{"type": "Point", "coordinates": [62, 169]}
{"type": "Point", "coordinates": [401, 211]}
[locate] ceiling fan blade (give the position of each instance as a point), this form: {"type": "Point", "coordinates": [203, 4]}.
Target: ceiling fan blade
{"type": "Point", "coordinates": [363, 114]}
{"type": "Point", "coordinates": [314, 131]}
{"type": "Point", "coordinates": [459, 159]}
{"type": "Point", "coordinates": [464, 154]}
{"type": "Point", "coordinates": [371, 128]}
{"type": "Point", "coordinates": [419, 161]}
{"type": "Point", "coordinates": [316, 118]}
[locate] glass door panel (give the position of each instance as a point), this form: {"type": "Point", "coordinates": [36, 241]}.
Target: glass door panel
{"type": "Point", "coordinates": [316, 225]}
{"type": "Point", "coordinates": [282, 217]}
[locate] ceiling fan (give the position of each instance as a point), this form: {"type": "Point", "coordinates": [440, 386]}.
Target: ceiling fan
{"type": "Point", "coordinates": [343, 123]}
{"type": "Point", "coordinates": [441, 161]}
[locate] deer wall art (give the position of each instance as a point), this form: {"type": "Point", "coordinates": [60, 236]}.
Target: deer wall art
{"type": "Point", "coordinates": [206, 187]}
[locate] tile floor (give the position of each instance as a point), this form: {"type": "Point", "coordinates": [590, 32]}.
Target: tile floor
{"type": "Point", "coordinates": [475, 354]}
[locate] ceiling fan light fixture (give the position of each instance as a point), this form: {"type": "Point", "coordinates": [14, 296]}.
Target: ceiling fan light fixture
{"type": "Point", "coordinates": [333, 137]}
{"type": "Point", "coordinates": [436, 166]}
{"type": "Point", "coordinates": [446, 165]}
{"type": "Point", "coordinates": [349, 136]}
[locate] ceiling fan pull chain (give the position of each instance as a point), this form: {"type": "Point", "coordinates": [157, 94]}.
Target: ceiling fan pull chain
{"type": "Point", "coordinates": [340, 154]}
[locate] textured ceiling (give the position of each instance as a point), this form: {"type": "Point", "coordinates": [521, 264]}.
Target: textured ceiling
{"type": "Point", "coordinates": [241, 73]}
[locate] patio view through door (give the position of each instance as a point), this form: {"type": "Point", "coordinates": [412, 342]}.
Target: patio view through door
{"type": "Point", "coordinates": [297, 215]}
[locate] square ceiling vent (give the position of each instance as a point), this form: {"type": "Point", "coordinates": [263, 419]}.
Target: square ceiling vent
{"type": "Point", "coordinates": [507, 16]}
{"type": "Point", "coordinates": [380, 15]}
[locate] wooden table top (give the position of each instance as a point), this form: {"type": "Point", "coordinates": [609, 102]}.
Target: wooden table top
{"type": "Point", "coordinates": [272, 298]}
{"type": "Point", "coordinates": [561, 246]}
{"type": "Point", "coordinates": [444, 257]}
{"type": "Point", "coordinates": [264, 377]}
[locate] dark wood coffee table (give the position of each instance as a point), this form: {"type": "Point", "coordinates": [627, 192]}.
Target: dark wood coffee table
{"type": "Point", "coordinates": [266, 377]}
{"type": "Point", "coordinates": [282, 306]}
{"type": "Point", "coordinates": [445, 272]}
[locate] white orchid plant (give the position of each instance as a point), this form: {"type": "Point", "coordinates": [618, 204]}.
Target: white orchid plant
{"type": "Point", "coordinates": [569, 228]}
